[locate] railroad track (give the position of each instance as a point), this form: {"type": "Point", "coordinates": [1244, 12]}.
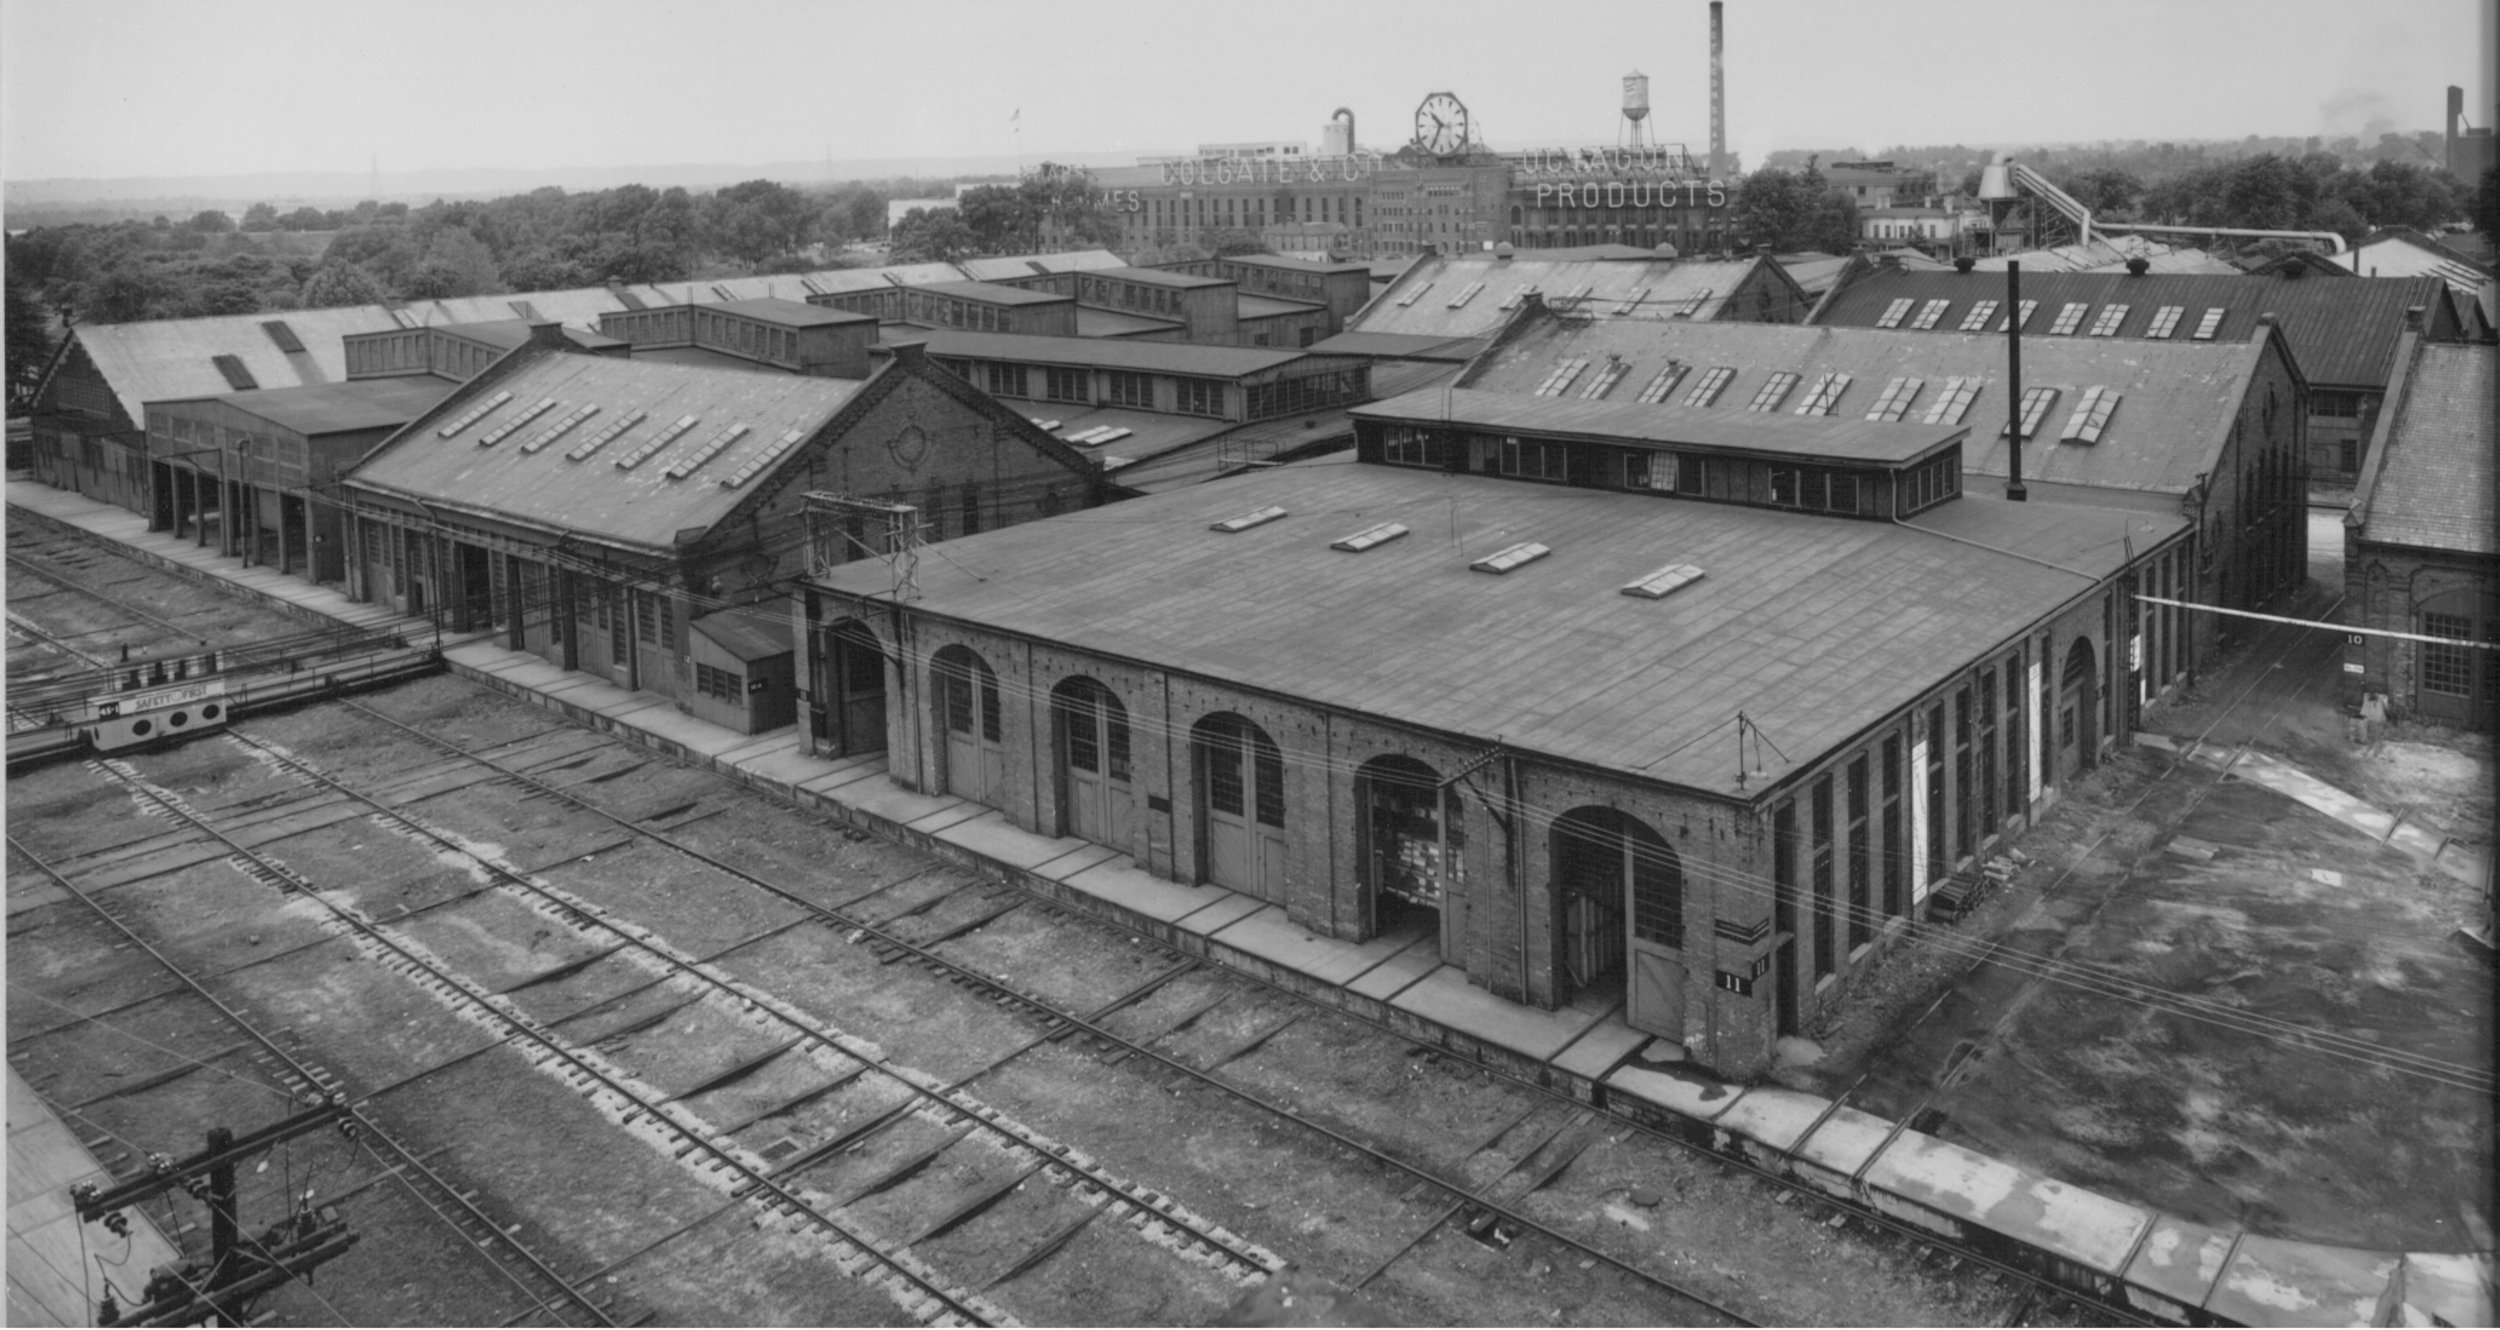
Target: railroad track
{"type": "Point", "coordinates": [19, 566]}
{"type": "Point", "coordinates": [925, 1295]}
{"type": "Point", "coordinates": [1055, 1022]}
{"type": "Point", "coordinates": [545, 1293]}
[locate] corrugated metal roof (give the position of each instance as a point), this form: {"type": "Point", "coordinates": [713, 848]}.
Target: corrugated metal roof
{"type": "Point", "coordinates": [163, 359]}
{"type": "Point", "coordinates": [1815, 275]}
{"type": "Point", "coordinates": [2179, 398]}
{"type": "Point", "coordinates": [1095, 321]}
{"type": "Point", "coordinates": [2396, 256]}
{"type": "Point", "coordinates": [1656, 289]}
{"type": "Point", "coordinates": [2435, 482]}
{"type": "Point", "coordinates": [994, 293]}
{"type": "Point", "coordinates": [1249, 306]}
{"type": "Point", "coordinates": [594, 496]}
{"type": "Point", "coordinates": [2101, 251]}
{"type": "Point", "coordinates": [749, 632]}
{"type": "Point", "coordinates": [1816, 627]}
{"type": "Point", "coordinates": [1404, 346]}
{"type": "Point", "coordinates": [1843, 436]}
{"type": "Point", "coordinates": [1101, 353]}
{"type": "Point", "coordinates": [2342, 334]}
{"type": "Point", "coordinates": [340, 408]}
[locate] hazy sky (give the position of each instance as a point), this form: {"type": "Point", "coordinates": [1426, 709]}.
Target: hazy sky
{"type": "Point", "coordinates": [103, 88]}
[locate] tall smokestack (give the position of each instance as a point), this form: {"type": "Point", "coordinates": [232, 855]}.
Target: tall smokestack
{"type": "Point", "coordinates": [1718, 93]}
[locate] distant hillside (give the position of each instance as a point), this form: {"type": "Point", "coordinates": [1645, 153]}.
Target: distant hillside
{"type": "Point", "coordinates": [178, 196]}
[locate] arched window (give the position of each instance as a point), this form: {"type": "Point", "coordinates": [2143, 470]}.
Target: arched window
{"type": "Point", "coordinates": [1241, 796]}
{"type": "Point", "coordinates": [1092, 734]}
{"type": "Point", "coordinates": [1616, 879]}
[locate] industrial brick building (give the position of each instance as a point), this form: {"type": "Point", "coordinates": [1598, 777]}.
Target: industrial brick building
{"type": "Point", "coordinates": [2342, 333]}
{"type": "Point", "coordinates": [2422, 541]}
{"type": "Point", "coordinates": [2209, 431]}
{"type": "Point", "coordinates": [1598, 733]}
{"type": "Point", "coordinates": [607, 513]}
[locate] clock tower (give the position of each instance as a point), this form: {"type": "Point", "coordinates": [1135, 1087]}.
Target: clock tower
{"type": "Point", "coordinates": [1441, 126]}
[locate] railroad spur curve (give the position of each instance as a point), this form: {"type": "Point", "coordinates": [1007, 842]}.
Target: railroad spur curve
{"type": "Point", "coordinates": [839, 1058]}
{"type": "Point", "coordinates": [546, 1295]}
{"type": "Point", "coordinates": [1058, 1020]}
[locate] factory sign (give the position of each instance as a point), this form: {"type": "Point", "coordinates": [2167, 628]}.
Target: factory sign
{"type": "Point", "coordinates": [1623, 194]}
{"type": "Point", "coordinates": [1271, 170]}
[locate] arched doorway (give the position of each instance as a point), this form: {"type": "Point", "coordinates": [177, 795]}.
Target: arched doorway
{"type": "Point", "coordinates": [967, 715]}
{"type": "Point", "coordinates": [850, 688]}
{"type": "Point", "coordinates": [1090, 731]}
{"type": "Point", "coordinates": [1241, 805]}
{"type": "Point", "coordinates": [1413, 847]}
{"type": "Point", "coordinates": [2078, 708]}
{"type": "Point", "coordinates": [2454, 685]}
{"type": "Point", "coordinates": [1621, 889]}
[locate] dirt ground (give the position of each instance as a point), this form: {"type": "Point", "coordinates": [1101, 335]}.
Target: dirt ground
{"type": "Point", "coordinates": [2210, 998]}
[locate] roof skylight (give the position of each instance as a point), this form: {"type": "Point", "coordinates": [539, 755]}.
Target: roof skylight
{"type": "Point", "coordinates": [1824, 395]}
{"type": "Point", "coordinates": [283, 335]}
{"type": "Point", "coordinates": [605, 435]}
{"type": "Point", "coordinates": [2069, 318]}
{"type": "Point", "coordinates": [1713, 382]}
{"type": "Point", "coordinates": [2111, 317]}
{"type": "Point", "coordinates": [1502, 561]}
{"type": "Point", "coordinates": [772, 453]}
{"type": "Point", "coordinates": [1656, 389]}
{"type": "Point", "coordinates": [2164, 320]}
{"type": "Point", "coordinates": [1466, 294]}
{"type": "Point", "coordinates": [1895, 400]}
{"type": "Point", "coordinates": [504, 431]}
{"type": "Point", "coordinates": [2036, 404]}
{"type": "Point", "coordinates": [1368, 537]}
{"type": "Point", "coordinates": [1633, 301]}
{"type": "Point", "coordinates": [1608, 375]}
{"type": "Point", "coordinates": [2020, 316]}
{"type": "Point", "coordinates": [2207, 326]}
{"type": "Point", "coordinates": [1895, 312]}
{"type": "Point", "coordinates": [642, 451]}
{"type": "Point", "coordinates": [473, 415]}
{"type": "Point", "coordinates": [1559, 382]}
{"type": "Point", "coordinates": [1410, 297]}
{"type": "Point", "coordinates": [1977, 319]}
{"type": "Point", "coordinates": [1955, 400]}
{"type": "Point", "coordinates": [1248, 520]}
{"type": "Point", "coordinates": [1930, 312]}
{"type": "Point", "coordinates": [1770, 395]}
{"type": "Point", "coordinates": [684, 466]}
{"type": "Point", "coordinates": [2091, 415]}
{"type": "Point", "coordinates": [1658, 585]}
{"type": "Point", "coordinates": [556, 431]}
{"type": "Point", "coordinates": [1692, 305]}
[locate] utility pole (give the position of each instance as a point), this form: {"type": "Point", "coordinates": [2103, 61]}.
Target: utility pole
{"type": "Point", "coordinates": [236, 1273]}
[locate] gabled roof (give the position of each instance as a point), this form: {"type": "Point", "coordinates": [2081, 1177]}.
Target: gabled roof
{"type": "Point", "coordinates": [1847, 437]}
{"type": "Point", "coordinates": [1815, 627]}
{"type": "Point", "coordinates": [1656, 289]}
{"type": "Point", "coordinates": [2403, 254]}
{"type": "Point", "coordinates": [2343, 334]}
{"type": "Point", "coordinates": [2432, 471]}
{"type": "Point", "coordinates": [549, 489]}
{"type": "Point", "coordinates": [2177, 400]}
{"type": "Point", "coordinates": [749, 632]}
{"type": "Point", "coordinates": [2102, 251]}
{"type": "Point", "coordinates": [160, 359]}
{"type": "Point", "coordinates": [1221, 362]}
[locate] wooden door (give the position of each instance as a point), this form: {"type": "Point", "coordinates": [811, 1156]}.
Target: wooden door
{"type": "Point", "coordinates": [857, 674]}
{"type": "Point", "coordinates": [1094, 757]}
{"type": "Point", "coordinates": [1653, 885]}
{"type": "Point", "coordinates": [976, 761]}
{"type": "Point", "coordinates": [1243, 807]}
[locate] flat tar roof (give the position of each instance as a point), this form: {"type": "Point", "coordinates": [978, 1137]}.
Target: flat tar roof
{"type": "Point", "coordinates": [1816, 627]}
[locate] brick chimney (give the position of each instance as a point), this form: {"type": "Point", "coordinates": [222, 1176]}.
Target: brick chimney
{"type": "Point", "coordinates": [549, 333]}
{"type": "Point", "coordinates": [2415, 316]}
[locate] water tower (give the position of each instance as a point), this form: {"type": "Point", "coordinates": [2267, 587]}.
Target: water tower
{"type": "Point", "coordinates": [1635, 131]}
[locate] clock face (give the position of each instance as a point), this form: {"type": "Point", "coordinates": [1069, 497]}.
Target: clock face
{"type": "Point", "coordinates": [1441, 124]}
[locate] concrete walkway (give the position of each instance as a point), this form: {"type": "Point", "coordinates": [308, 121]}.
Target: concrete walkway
{"type": "Point", "coordinates": [2463, 862]}
{"type": "Point", "coordinates": [57, 1272]}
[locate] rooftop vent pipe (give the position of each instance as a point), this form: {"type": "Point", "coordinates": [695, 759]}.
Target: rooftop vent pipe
{"type": "Point", "coordinates": [2138, 266]}
{"type": "Point", "coordinates": [2014, 492]}
{"type": "Point", "coordinates": [1965, 263]}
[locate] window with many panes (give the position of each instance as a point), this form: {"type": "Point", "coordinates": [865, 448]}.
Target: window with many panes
{"type": "Point", "coordinates": [1007, 380]}
{"type": "Point", "coordinates": [1199, 397]}
{"type": "Point", "coordinates": [1407, 445]}
{"type": "Point", "coordinates": [1649, 471]}
{"type": "Point", "coordinates": [1535, 459]}
{"type": "Point", "coordinates": [1896, 848]}
{"type": "Point", "coordinates": [1065, 385]}
{"type": "Point", "coordinates": [1122, 388]}
{"type": "Point", "coordinates": [725, 685]}
{"type": "Point", "coordinates": [2448, 668]}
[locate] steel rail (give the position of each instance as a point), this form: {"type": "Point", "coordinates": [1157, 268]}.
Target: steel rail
{"type": "Point", "coordinates": [958, 1304]}
{"type": "Point", "coordinates": [411, 1161]}
{"type": "Point", "coordinates": [975, 979]}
